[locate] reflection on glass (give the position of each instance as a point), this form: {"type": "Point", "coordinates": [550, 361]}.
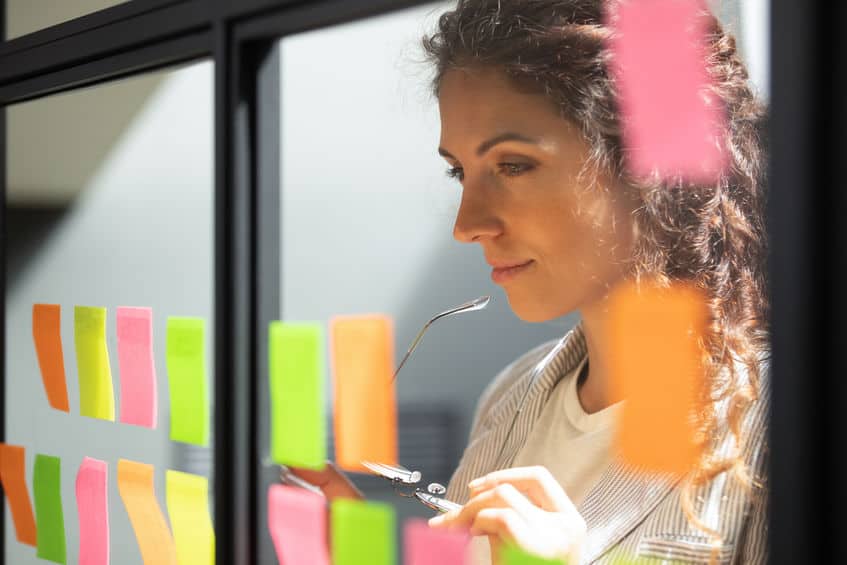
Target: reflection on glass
{"type": "Point", "coordinates": [367, 219]}
{"type": "Point", "coordinates": [110, 195]}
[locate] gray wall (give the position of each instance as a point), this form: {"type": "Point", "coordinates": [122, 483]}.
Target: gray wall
{"type": "Point", "coordinates": [138, 234]}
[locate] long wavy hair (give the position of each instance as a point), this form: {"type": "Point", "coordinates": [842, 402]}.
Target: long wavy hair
{"type": "Point", "coordinates": [711, 236]}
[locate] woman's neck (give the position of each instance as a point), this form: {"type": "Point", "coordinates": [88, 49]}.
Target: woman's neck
{"type": "Point", "coordinates": [595, 391]}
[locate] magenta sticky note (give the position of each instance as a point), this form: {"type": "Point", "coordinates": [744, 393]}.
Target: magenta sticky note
{"type": "Point", "coordinates": [137, 372]}
{"type": "Point", "coordinates": [672, 124]}
{"type": "Point", "coordinates": [423, 545]}
{"type": "Point", "coordinates": [297, 521]}
{"type": "Point", "coordinates": [93, 510]}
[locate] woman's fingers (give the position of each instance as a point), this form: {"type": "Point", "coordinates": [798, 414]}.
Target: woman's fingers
{"type": "Point", "coordinates": [331, 480]}
{"type": "Point", "coordinates": [504, 523]}
{"type": "Point", "coordinates": [503, 496]}
{"type": "Point", "coordinates": [536, 482]}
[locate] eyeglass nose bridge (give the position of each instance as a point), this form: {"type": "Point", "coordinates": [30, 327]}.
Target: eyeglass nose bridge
{"type": "Point", "coordinates": [403, 489]}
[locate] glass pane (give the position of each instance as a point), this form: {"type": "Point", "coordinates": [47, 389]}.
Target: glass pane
{"type": "Point", "coordinates": [367, 215]}
{"type": "Point", "coordinates": [27, 16]}
{"type": "Point", "coordinates": [110, 204]}
{"type": "Point", "coordinates": [366, 221]}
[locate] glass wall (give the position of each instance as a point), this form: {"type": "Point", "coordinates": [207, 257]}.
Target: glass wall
{"type": "Point", "coordinates": [110, 204]}
{"type": "Point", "coordinates": [366, 225]}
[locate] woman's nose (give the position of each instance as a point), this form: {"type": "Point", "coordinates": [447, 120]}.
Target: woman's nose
{"type": "Point", "coordinates": [475, 218]}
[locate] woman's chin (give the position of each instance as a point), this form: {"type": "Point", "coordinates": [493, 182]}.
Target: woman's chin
{"type": "Point", "coordinates": [531, 309]}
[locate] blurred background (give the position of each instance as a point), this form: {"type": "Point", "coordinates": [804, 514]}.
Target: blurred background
{"type": "Point", "coordinates": [110, 203]}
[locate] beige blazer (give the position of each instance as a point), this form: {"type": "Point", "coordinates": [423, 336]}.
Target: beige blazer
{"type": "Point", "coordinates": [629, 514]}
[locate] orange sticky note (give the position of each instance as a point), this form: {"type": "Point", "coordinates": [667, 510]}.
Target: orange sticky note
{"type": "Point", "coordinates": [13, 476]}
{"type": "Point", "coordinates": [656, 366]}
{"type": "Point", "coordinates": [135, 485]}
{"type": "Point", "coordinates": [47, 336]}
{"type": "Point", "coordinates": [365, 405]}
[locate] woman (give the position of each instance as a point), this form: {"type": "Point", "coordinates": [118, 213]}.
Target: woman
{"type": "Point", "coordinates": [531, 130]}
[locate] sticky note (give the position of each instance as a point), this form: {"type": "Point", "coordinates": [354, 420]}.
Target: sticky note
{"type": "Point", "coordinates": [362, 532]}
{"type": "Point", "coordinates": [47, 336]}
{"type": "Point", "coordinates": [365, 404]}
{"type": "Point", "coordinates": [513, 555]}
{"type": "Point", "coordinates": [671, 122]}
{"type": "Point", "coordinates": [92, 503]}
{"type": "Point", "coordinates": [297, 523]}
{"type": "Point", "coordinates": [13, 476]}
{"type": "Point", "coordinates": [298, 420]}
{"type": "Point", "coordinates": [96, 395]}
{"type": "Point", "coordinates": [655, 364]}
{"type": "Point", "coordinates": [49, 518]}
{"type": "Point", "coordinates": [186, 362]}
{"type": "Point", "coordinates": [423, 545]}
{"type": "Point", "coordinates": [135, 362]}
{"type": "Point", "coordinates": [188, 508]}
{"type": "Point", "coordinates": [135, 485]}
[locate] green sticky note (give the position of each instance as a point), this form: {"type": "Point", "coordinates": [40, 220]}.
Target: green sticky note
{"type": "Point", "coordinates": [512, 555]}
{"type": "Point", "coordinates": [186, 362]}
{"type": "Point", "coordinates": [49, 520]}
{"type": "Point", "coordinates": [96, 395]}
{"type": "Point", "coordinates": [362, 532]}
{"type": "Point", "coordinates": [298, 426]}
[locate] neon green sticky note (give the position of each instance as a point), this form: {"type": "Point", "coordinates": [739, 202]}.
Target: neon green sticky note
{"type": "Point", "coordinates": [298, 426]}
{"type": "Point", "coordinates": [362, 532]}
{"type": "Point", "coordinates": [188, 508]}
{"type": "Point", "coordinates": [49, 519]}
{"type": "Point", "coordinates": [96, 395]}
{"type": "Point", "coordinates": [512, 555]}
{"type": "Point", "coordinates": [186, 362]}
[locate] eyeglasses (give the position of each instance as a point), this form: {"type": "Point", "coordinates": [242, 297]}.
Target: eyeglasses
{"type": "Point", "coordinates": [404, 482]}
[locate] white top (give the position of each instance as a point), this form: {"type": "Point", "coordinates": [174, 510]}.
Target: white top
{"type": "Point", "coordinates": [574, 446]}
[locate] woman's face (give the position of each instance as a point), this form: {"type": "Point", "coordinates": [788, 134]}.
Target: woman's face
{"type": "Point", "coordinates": [555, 243]}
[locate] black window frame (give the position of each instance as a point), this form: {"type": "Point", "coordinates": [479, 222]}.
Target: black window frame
{"type": "Point", "coordinates": [805, 205]}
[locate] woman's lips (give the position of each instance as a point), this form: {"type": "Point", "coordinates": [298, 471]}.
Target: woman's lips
{"type": "Point", "coordinates": [504, 274]}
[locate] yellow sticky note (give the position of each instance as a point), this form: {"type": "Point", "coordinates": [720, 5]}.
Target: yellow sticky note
{"type": "Point", "coordinates": [188, 508]}
{"type": "Point", "coordinates": [96, 394]}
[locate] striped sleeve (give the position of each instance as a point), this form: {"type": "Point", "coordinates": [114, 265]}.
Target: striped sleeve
{"type": "Point", "coordinates": [754, 547]}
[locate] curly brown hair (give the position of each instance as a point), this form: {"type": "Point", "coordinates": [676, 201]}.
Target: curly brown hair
{"type": "Point", "coordinates": [712, 236]}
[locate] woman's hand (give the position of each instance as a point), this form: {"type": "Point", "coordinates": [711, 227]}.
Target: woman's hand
{"type": "Point", "coordinates": [331, 480]}
{"type": "Point", "coordinates": [524, 506]}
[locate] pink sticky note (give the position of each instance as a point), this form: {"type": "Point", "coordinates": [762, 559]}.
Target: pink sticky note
{"type": "Point", "coordinates": [137, 373]}
{"type": "Point", "coordinates": [425, 546]}
{"type": "Point", "coordinates": [672, 124]}
{"type": "Point", "coordinates": [93, 509]}
{"type": "Point", "coordinates": [297, 520]}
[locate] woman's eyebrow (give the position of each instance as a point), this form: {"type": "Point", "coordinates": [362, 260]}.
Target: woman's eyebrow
{"type": "Point", "coordinates": [485, 146]}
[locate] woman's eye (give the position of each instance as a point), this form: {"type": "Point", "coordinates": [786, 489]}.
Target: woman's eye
{"type": "Point", "coordinates": [514, 169]}
{"type": "Point", "coordinates": [456, 173]}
